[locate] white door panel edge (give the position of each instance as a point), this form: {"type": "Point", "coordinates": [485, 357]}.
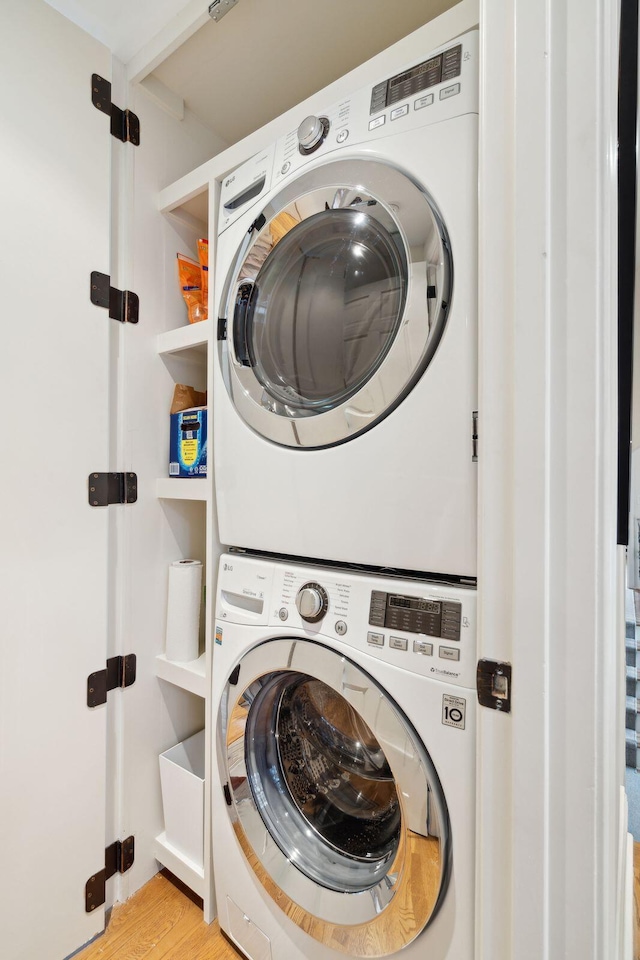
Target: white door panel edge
{"type": "Point", "coordinates": [548, 557]}
{"type": "Point", "coordinates": [55, 188]}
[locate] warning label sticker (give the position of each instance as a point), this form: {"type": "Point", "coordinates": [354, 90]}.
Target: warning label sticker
{"type": "Point", "coordinates": [453, 711]}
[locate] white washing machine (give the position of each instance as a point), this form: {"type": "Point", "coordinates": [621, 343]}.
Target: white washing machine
{"type": "Point", "coordinates": [344, 769]}
{"type": "Point", "coordinates": [346, 390]}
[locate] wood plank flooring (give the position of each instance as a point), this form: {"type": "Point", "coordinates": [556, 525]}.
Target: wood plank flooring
{"type": "Point", "coordinates": [161, 922]}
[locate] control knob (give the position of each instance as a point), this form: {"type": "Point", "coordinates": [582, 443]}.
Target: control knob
{"type": "Point", "coordinates": [312, 132]}
{"type": "Point", "coordinates": [312, 602]}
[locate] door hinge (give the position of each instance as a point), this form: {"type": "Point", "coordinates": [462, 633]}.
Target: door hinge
{"type": "Point", "coordinates": [493, 681]}
{"type": "Point", "coordinates": [258, 223]}
{"type": "Point", "coordinates": [218, 8]}
{"type": "Point", "coordinates": [117, 859]}
{"type": "Point", "coordinates": [222, 328]}
{"type": "Point", "coordinates": [119, 672]}
{"type": "Point", "coordinates": [106, 488]}
{"type": "Point", "coordinates": [125, 125]}
{"type": "Point", "coordinates": [123, 305]}
{"type": "Point", "coordinates": [474, 436]}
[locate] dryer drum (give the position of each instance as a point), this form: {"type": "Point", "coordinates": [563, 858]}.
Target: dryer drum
{"type": "Point", "coordinates": [326, 308]}
{"type": "Point", "coordinates": [334, 799]}
{"type": "Point", "coordinates": [353, 277]}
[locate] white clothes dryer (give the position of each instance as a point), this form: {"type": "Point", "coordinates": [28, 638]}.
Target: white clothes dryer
{"type": "Point", "coordinates": [343, 784]}
{"type": "Point", "coordinates": [346, 390]}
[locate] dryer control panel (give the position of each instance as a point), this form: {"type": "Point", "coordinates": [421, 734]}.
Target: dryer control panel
{"type": "Point", "coordinates": [438, 88]}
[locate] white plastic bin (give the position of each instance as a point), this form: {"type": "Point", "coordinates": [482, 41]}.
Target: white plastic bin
{"type": "Point", "coordinates": [182, 781]}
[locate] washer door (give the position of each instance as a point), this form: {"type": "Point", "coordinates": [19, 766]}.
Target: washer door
{"type": "Point", "coordinates": [335, 303]}
{"type": "Point", "coordinates": [333, 798]}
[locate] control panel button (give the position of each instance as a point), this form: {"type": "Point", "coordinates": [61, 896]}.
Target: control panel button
{"type": "Point", "coordinates": [376, 639]}
{"type": "Point", "coordinates": [377, 608]}
{"type": "Point", "coordinates": [310, 132]}
{"type": "Point", "coordinates": [342, 136]}
{"type": "Point", "coordinates": [421, 646]}
{"type": "Point", "coordinates": [312, 602]}
{"type": "Point", "coordinates": [341, 628]}
{"type": "Point", "coordinates": [286, 166]}
{"type": "Point", "coordinates": [398, 643]}
{"type": "Point", "coordinates": [450, 91]}
{"type": "Point", "coordinates": [378, 122]}
{"type": "Point", "coordinates": [449, 653]}
{"type": "Point", "coordinates": [423, 102]}
{"type": "Point", "coordinates": [283, 613]}
{"type": "Point", "coordinates": [399, 111]}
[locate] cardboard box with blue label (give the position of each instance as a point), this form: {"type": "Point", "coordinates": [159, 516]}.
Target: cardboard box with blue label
{"type": "Point", "coordinates": [188, 443]}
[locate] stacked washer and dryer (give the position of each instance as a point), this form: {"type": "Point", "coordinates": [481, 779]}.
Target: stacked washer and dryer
{"type": "Point", "coordinates": [345, 436]}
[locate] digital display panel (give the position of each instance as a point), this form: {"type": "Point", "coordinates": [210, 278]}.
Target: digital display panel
{"type": "Point", "coordinates": [433, 618]}
{"type": "Point", "coordinates": [405, 85]}
{"type": "Point", "coordinates": [415, 603]}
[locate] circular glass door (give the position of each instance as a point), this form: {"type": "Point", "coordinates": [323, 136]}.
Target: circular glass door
{"type": "Point", "coordinates": [335, 303]}
{"type": "Point", "coordinates": [334, 799]}
{"type": "Point", "coordinates": [325, 308]}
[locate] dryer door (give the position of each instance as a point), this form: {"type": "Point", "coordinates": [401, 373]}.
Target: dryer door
{"type": "Point", "coordinates": [333, 798]}
{"type": "Point", "coordinates": [335, 303]}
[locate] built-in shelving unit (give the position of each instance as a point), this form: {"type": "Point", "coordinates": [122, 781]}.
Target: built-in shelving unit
{"type": "Point", "coordinates": [184, 356]}
{"type": "Point", "coordinates": [184, 869]}
{"type": "Point", "coordinates": [190, 676]}
{"type": "Point", "coordinates": [191, 338]}
{"type": "Point", "coordinates": [182, 488]}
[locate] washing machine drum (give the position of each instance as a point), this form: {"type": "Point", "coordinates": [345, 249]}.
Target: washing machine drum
{"type": "Point", "coordinates": [335, 303]}
{"type": "Point", "coordinates": [333, 798]}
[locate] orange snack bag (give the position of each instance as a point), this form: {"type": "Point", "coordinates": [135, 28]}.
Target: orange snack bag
{"type": "Point", "coordinates": [191, 286]}
{"type": "Point", "coordinates": [203, 256]}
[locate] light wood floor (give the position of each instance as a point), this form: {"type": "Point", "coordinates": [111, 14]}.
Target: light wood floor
{"type": "Point", "coordinates": [160, 922]}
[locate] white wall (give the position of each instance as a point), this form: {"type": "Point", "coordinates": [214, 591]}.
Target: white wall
{"type": "Point", "coordinates": [154, 714]}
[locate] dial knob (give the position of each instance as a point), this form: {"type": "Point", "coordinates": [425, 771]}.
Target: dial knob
{"type": "Point", "coordinates": [312, 602]}
{"type": "Point", "coordinates": [310, 132]}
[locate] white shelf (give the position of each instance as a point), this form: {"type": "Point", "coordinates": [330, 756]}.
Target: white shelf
{"type": "Point", "coordinates": [187, 871]}
{"type": "Point", "coordinates": [189, 676]}
{"type": "Point", "coordinates": [182, 488]}
{"type": "Point", "coordinates": [192, 337]}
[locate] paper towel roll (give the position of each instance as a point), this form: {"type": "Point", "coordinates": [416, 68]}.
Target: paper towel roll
{"type": "Point", "coordinates": [183, 610]}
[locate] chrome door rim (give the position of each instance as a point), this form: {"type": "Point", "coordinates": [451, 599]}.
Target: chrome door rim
{"type": "Point", "coordinates": [331, 916]}
{"type": "Point", "coordinates": [420, 228]}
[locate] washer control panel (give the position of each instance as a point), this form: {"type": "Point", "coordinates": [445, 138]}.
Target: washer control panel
{"type": "Point", "coordinates": [426, 628]}
{"type": "Point", "coordinates": [435, 618]}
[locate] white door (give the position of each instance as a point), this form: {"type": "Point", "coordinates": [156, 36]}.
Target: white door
{"type": "Point", "coordinates": [54, 364]}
